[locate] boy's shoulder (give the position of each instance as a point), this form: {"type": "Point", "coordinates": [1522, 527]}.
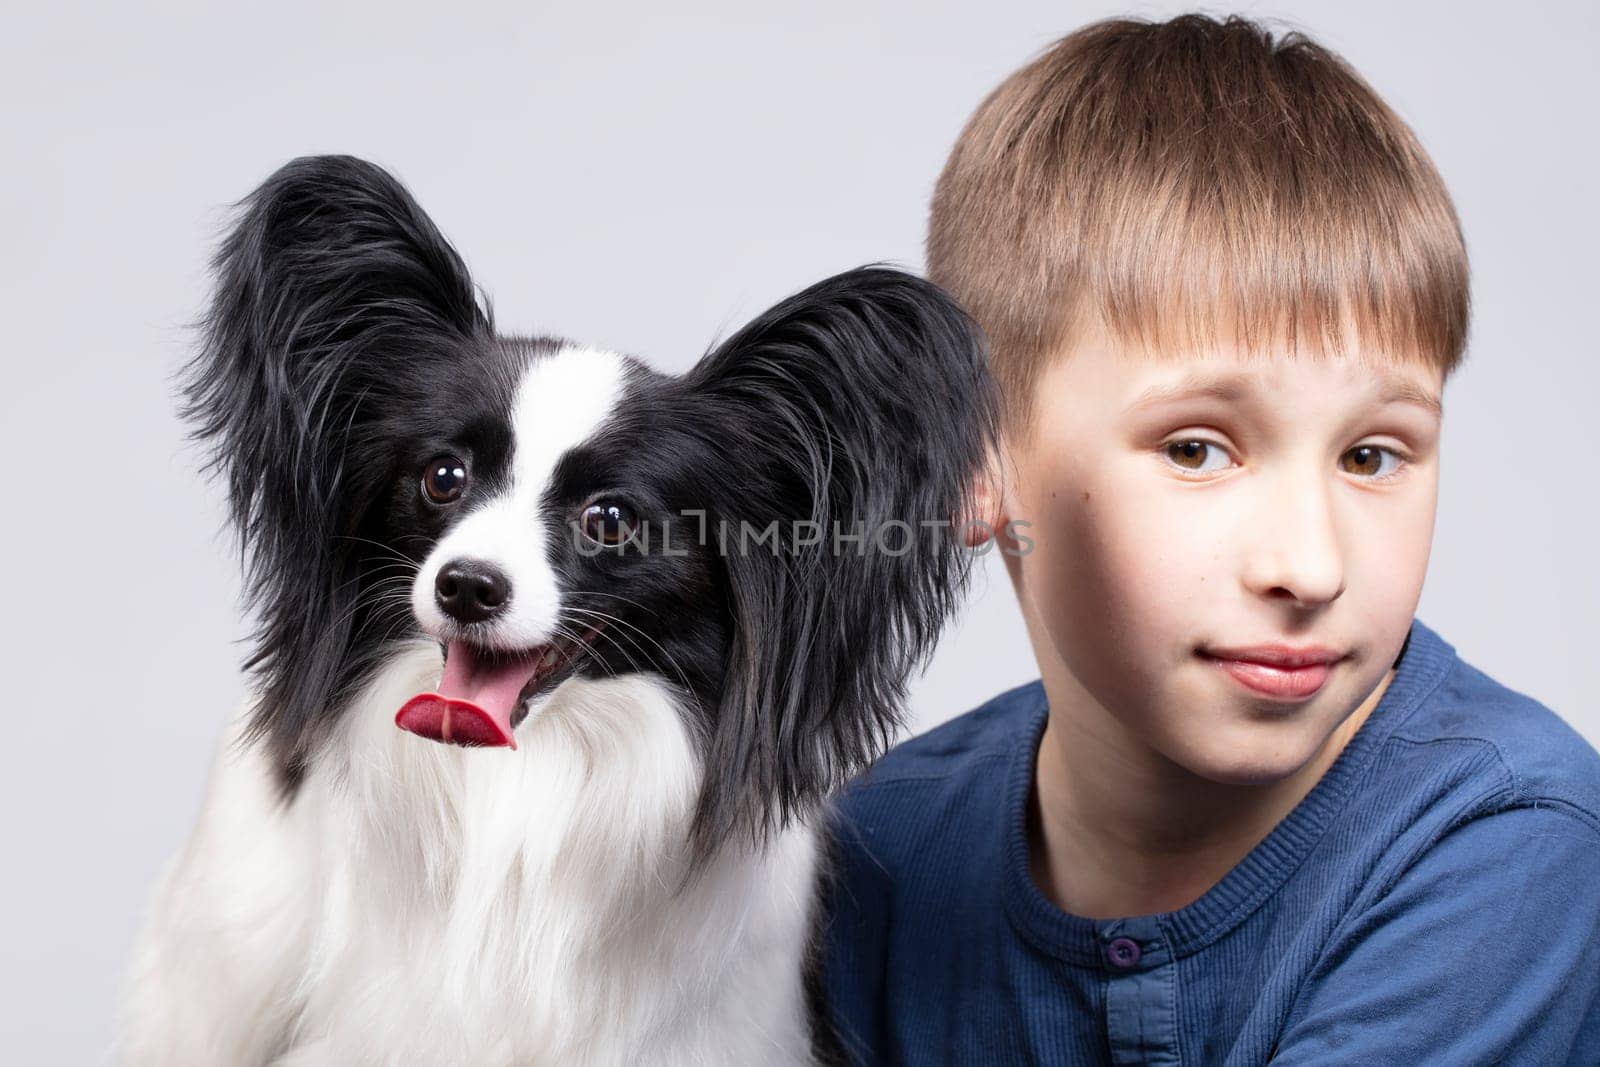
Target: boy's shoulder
{"type": "Point", "coordinates": [950, 783]}
{"type": "Point", "coordinates": [977, 745]}
{"type": "Point", "coordinates": [1537, 755]}
{"type": "Point", "coordinates": [991, 730]}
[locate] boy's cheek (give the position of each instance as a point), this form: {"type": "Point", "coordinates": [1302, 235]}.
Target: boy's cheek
{"type": "Point", "coordinates": [1099, 574]}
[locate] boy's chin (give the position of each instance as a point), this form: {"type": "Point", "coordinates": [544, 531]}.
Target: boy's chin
{"type": "Point", "coordinates": [1253, 750]}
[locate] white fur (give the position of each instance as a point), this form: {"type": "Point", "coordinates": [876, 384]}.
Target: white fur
{"type": "Point", "coordinates": [561, 400]}
{"type": "Point", "coordinates": [421, 903]}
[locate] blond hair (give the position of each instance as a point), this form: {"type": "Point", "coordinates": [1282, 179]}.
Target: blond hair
{"type": "Point", "coordinates": [1177, 182]}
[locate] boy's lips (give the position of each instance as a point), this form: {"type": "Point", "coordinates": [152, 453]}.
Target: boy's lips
{"type": "Point", "coordinates": [1286, 656]}
{"type": "Point", "coordinates": [1276, 670]}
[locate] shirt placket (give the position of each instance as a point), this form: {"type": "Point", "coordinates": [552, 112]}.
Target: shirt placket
{"type": "Point", "coordinates": [1141, 988]}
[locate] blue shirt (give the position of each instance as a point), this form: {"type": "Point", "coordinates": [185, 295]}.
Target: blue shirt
{"type": "Point", "coordinates": [1434, 899]}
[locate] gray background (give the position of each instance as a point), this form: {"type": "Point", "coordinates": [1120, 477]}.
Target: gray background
{"type": "Point", "coordinates": [644, 179]}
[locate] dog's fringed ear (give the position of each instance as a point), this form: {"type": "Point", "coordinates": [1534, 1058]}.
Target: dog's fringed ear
{"type": "Point", "coordinates": [329, 284]}
{"type": "Point", "coordinates": [855, 420]}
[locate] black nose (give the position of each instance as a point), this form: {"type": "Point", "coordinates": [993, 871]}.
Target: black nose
{"type": "Point", "coordinates": [470, 590]}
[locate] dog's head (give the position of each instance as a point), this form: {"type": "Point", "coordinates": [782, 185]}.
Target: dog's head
{"type": "Point", "coordinates": [771, 534]}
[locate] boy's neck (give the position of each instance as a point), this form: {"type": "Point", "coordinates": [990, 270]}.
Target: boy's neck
{"type": "Point", "coordinates": [1111, 835]}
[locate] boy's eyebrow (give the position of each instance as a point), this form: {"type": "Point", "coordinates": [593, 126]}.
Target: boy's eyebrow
{"type": "Point", "coordinates": [1235, 388]}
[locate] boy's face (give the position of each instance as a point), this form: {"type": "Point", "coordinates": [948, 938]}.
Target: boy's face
{"type": "Point", "coordinates": [1298, 510]}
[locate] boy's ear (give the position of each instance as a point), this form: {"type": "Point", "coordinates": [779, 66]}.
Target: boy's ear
{"type": "Point", "coordinates": [986, 515]}
{"type": "Point", "coordinates": [332, 289]}
{"type": "Point", "coordinates": [853, 419]}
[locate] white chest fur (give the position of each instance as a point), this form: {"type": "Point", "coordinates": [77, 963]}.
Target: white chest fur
{"type": "Point", "coordinates": [426, 904]}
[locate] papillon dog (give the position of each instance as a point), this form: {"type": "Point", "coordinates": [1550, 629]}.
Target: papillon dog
{"type": "Point", "coordinates": [557, 658]}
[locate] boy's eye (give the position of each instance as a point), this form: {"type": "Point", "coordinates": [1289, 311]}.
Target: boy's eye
{"type": "Point", "coordinates": [1190, 455]}
{"type": "Point", "coordinates": [1369, 460]}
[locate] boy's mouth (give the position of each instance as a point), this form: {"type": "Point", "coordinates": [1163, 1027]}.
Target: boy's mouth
{"type": "Point", "coordinates": [1276, 671]}
{"type": "Point", "coordinates": [484, 694]}
{"type": "Point", "coordinates": [1285, 657]}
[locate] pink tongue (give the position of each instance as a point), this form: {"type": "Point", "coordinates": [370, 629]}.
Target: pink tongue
{"type": "Point", "coordinates": [474, 703]}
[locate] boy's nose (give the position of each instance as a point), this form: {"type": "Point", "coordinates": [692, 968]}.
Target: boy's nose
{"type": "Point", "coordinates": [1298, 553]}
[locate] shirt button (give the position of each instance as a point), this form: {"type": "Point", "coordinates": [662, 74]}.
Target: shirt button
{"type": "Point", "coordinates": [1122, 952]}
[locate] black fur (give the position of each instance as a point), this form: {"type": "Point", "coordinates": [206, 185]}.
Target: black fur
{"type": "Point", "coordinates": [345, 347]}
{"type": "Point", "coordinates": [862, 400]}
{"type": "Point", "coordinates": [334, 294]}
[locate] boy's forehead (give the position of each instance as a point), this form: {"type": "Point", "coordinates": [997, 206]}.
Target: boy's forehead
{"type": "Point", "coordinates": [1114, 381]}
{"type": "Point", "coordinates": [1241, 383]}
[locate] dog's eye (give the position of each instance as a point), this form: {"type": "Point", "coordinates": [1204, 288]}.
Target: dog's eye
{"type": "Point", "coordinates": [608, 522]}
{"type": "Point", "coordinates": [445, 480]}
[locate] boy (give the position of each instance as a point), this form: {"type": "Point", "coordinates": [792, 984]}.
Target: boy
{"type": "Point", "coordinates": [1253, 809]}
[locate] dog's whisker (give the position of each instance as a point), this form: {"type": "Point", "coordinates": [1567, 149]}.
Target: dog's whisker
{"type": "Point", "coordinates": [380, 545]}
{"type": "Point", "coordinates": [617, 596]}
{"type": "Point", "coordinates": [612, 619]}
{"type": "Point", "coordinates": [606, 667]}
{"type": "Point", "coordinates": [584, 650]}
